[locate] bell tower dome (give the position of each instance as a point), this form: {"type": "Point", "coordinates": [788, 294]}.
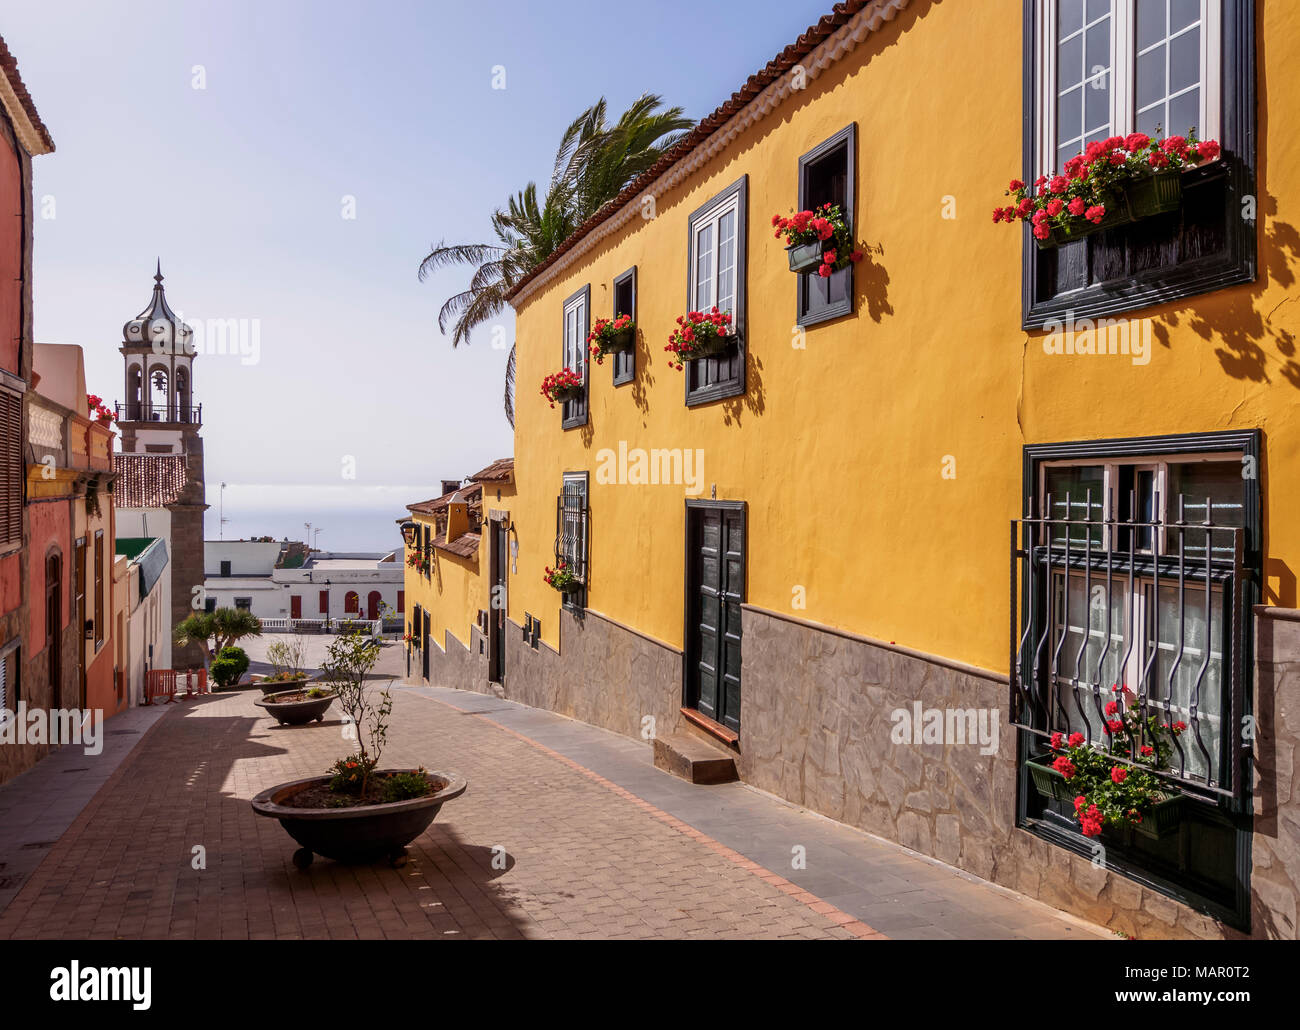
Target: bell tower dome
{"type": "Point", "coordinates": [159, 415]}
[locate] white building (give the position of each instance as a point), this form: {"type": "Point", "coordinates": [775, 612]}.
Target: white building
{"type": "Point", "coordinates": [148, 584]}
{"type": "Point", "coordinates": [238, 574]}
{"type": "Point", "coordinates": [335, 584]}
{"type": "Point", "coordinates": [275, 581]}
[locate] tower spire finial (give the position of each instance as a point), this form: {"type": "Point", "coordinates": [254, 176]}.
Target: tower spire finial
{"type": "Point", "coordinates": [158, 276]}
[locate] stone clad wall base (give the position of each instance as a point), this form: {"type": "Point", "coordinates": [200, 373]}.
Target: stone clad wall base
{"type": "Point", "coordinates": [816, 719]}
{"type": "Point", "coordinates": [1275, 848]}
{"type": "Point", "coordinates": [607, 676]}
{"type": "Point", "coordinates": [457, 666]}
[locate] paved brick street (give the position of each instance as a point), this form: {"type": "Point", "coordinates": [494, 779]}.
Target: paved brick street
{"type": "Point", "coordinates": [599, 844]}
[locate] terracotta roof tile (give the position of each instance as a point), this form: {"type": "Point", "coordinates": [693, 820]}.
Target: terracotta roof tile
{"type": "Point", "coordinates": [148, 480]}
{"type": "Point", "coordinates": [10, 66]}
{"type": "Point", "coordinates": [755, 84]}
{"type": "Point", "coordinates": [464, 546]}
{"type": "Point", "coordinates": [437, 504]}
{"type": "Point", "coordinates": [501, 469]}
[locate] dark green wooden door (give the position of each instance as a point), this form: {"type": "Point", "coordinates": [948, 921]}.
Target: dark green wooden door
{"type": "Point", "coordinates": [716, 583]}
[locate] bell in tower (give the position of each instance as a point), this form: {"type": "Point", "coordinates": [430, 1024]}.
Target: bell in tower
{"type": "Point", "coordinates": [159, 415]}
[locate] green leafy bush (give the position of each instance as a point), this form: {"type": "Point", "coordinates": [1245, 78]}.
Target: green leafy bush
{"type": "Point", "coordinates": [229, 666]}
{"type": "Point", "coordinates": [403, 785]}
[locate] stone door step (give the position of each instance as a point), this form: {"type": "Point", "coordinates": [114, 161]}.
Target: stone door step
{"type": "Point", "coordinates": [695, 760]}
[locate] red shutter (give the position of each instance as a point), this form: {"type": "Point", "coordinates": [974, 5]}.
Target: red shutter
{"type": "Point", "coordinates": [401, 601]}
{"type": "Point", "coordinates": [295, 606]}
{"type": "Point", "coordinates": [324, 602]}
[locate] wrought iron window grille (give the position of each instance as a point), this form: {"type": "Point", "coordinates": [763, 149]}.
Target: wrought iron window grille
{"type": "Point", "coordinates": [1159, 609]}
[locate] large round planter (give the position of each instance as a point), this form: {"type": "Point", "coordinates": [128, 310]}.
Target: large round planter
{"type": "Point", "coordinates": [282, 686]}
{"type": "Point", "coordinates": [359, 834]}
{"type": "Point", "coordinates": [295, 713]}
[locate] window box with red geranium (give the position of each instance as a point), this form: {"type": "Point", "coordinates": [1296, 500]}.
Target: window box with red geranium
{"type": "Point", "coordinates": [561, 386]}
{"type": "Point", "coordinates": [1116, 789]}
{"type": "Point", "coordinates": [1113, 182]}
{"type": "Point", "coordinates": [561, 578]}
{"type": "Point", "coordinates": [611, 336]}
{"type": "Point", "coordinates": [818, 241]}
{"type": "Point", "coordinates": [699, 334]}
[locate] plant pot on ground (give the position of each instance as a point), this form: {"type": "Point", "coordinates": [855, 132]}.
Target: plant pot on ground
{"type": "Point", "coordinates": [358, 812]}
{"type": "Point", "coordinates": [356, 829]}
{"type": "Point", "coordinates": [296, 707]}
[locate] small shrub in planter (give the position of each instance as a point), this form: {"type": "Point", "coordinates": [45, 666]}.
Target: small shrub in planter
{"type": "Point", "coordinates": [1113, 794]}
{"type": "Point", "coordinates": [229, 666]}
{"type": "Point", "coordinates": [561, 386]}
{"type": "Point", "coordinates": [286, 658]}
{"type": "Point", "coordinates": [818, 241]}
{"type": "Point", "coordinates": [610, 336]}
{"type": "Point", "coordinates": [561, 578]}
{"type": "Point", "coordinates": [699, 334]}
{"type": "Point", "coordinates": [1118, 180]}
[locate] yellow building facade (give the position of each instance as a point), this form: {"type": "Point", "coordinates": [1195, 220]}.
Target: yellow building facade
{"type": "Point", "coordinates": [833, 521]}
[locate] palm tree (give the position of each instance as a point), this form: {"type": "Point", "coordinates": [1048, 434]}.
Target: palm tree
{"type": "Point", "coordinates": [217, 629]}
{"type": "Point", "coordinates": [595, 161]}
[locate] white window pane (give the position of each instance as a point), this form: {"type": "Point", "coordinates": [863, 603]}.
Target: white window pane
{"type": "Point", "coordinates": [1069, 116]}
{"type": "Point", "coordinates": [704, 267]}
{"type": "Point", "coordinates": [1069, 62]}
{"type": "Point", "coordinates": [1182, 13]}
{"type": "Point", "coordinates": [1069, 16]}
{"type": "Point", "coordinates": [1096, 105]}
{"type": "Point", "coordinates": [1185, 60]}
{"type": "Point", "coordinates": [1150, 22]}
{"type": "Point", "coordinates": [1152, 120]}
{"type": "Point", "coordinates": [726, 292]}
{"type": "Point", "coordinates": [1097, 9]}
{"type": "Point", "coordinates": [1096, 56]}
{"type": "Point", "coordinates": [1184, 112]}
{"type": "Point", "coordinates": [1150, 86]}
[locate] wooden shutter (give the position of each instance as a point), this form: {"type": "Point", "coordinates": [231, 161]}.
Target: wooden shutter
{"type": "Point", "coordinates": [11, 468]}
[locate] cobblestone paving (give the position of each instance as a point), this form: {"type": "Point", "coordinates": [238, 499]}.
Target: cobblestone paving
{"type": "Point", "coordinates": [585, 858]}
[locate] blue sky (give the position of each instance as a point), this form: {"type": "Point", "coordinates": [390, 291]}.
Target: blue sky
{"type": "Point", "coordinates": [239, 187]}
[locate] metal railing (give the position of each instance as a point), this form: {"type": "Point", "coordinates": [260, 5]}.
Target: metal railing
{"type": "Point", "coordinates": [341, 625]}
{"type": "Point", "coordinates": [1148, 612]}
{"type": "Point", "coordinates": [183, 413]}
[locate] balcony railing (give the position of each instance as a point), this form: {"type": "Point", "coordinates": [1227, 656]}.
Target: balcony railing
{"type": "Point", "coordinates": [1155, 608]}
{"type": "Point", "coordinates": [181, 413]}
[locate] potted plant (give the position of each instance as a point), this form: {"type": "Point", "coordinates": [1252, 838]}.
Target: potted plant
{"type": "Point", "coordinates": [297, 707]}
{"type": "Point", "coordinates": [286, 658]}
{"type": "Point", "coordinates": [561, 578]}
{"type": "Point", "coordinates": [100, 412]}
{"type": "Point", "coordinates": [561, 386]}
{"type": "Point", "coordinates": [1115, 795]}
{"type": "Point", "coordinates": [1114, 181]}
{"type": "Point", "coordinates": [699, 334]}
{"type": "Point", "coordinates": [611, 336]}
{"type": "Point", "coordinates": [230, 664]}
{"type": "Point", "coordinates": [819, 240]}
{"type": "Point", "coordinates": [358, 812]}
